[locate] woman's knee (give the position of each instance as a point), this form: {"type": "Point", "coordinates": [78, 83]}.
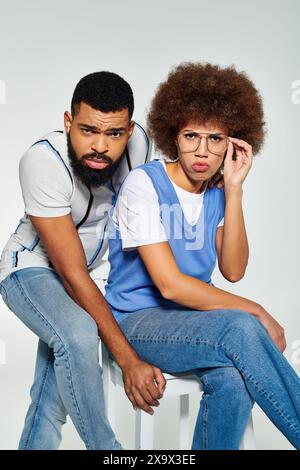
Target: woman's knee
{"type": "Point", "coordinates": [244, 323]}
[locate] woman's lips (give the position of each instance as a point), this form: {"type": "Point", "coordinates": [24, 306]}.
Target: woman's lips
{"type": "Point", "coordinates": [97, 164]}
{"type": "Point", "coordinates": [200, 167]}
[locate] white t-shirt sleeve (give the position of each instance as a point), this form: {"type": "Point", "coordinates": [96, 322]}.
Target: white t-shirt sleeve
{"type": "Point", "coordinates": [45, 182]}
{"type": "Point", "coordinates": [221, 223]}
{"type": "Point", "coordinates": [137, 212]}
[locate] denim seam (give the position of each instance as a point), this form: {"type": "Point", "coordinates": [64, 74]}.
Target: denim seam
{"type": "Point", "coordinates": [35, 310]}
{"type": "Point", "coordinates": [180, 340]}
{"type": "Point", "coordinates": [207, 384]}
{"type": "Point", "coordinates": [4, 294]}
{"type": "Point", "coordinates": [205, 421]}
{"type": "Point", "coordinates": [209, 388]}
{"type": "Point", "coordinates": [38, 402]}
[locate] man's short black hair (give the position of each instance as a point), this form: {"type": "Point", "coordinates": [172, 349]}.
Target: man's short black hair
{"type": "Point", "coordinates": [104, 91]}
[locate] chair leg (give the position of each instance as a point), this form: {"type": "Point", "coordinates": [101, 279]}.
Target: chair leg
{"type": "Point", "coordinates": [144, 431]}
{"type": "Point", "coordinates": [248, 442]}
{"type": "Point", "coordinates": [184, 434]}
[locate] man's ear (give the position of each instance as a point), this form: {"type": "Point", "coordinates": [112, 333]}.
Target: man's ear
{"type": "Point", "coordinates": [131, 127]}
{"type": "Point", "coordinates": [67, 121]}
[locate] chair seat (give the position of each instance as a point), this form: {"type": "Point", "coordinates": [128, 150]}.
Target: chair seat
{"type": "Point", "coordinates": [177, 384]}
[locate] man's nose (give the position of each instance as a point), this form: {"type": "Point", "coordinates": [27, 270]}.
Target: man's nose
{"type": "Point", "coordinates": [202, 147]}
{"type": "Point", "coordinates": [100, 144]}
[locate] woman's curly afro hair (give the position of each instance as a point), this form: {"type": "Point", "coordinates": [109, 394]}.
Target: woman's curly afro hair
{"type": "Point", "coordinates": [202, 92]}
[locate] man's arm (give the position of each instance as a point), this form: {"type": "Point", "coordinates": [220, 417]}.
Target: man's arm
{"type": "Point", "coordinates": [66, 253]}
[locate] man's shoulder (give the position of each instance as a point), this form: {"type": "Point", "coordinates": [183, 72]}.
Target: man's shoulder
{"type": "Point", "coordinates": [53, 142]}
{"type": "Point", "coordinates": [138, 151]}
{"type": "Point", "coordinates": [138, 146]}
{"type": "Point", "coordinates": [47, 153]}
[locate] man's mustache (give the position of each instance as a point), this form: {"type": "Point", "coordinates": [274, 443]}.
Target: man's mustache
{"type": "Point", "coordinates": [98, 156]}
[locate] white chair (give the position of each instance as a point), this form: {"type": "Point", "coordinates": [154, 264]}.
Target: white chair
{"type": "Point", "coordinates": [179, 385]}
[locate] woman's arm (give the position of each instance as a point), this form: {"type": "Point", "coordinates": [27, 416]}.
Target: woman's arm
{"type": "Point", "coordinates": [231, 242]}
{"type": "Point", "coordinates": [231, 239]}
{"type": "Point", "coordinates": [187, 290]}
{"type": "Point", "coordinates": [197, 295]}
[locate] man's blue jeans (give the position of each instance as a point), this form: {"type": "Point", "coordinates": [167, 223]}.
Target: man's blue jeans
{"type": "Point", "coordinates": [236, 360]}
{"type": "Point", "coordinates": [68, 377]}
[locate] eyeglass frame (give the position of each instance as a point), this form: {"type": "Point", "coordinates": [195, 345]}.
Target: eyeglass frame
{"type": "Point", "coordinates": [199, 135]}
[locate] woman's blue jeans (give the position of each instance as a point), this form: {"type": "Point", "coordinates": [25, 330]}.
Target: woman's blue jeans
{"type": "Point", "coordinates": [68, 377]}
{"type": "Point", "coordinates": [235, 359]}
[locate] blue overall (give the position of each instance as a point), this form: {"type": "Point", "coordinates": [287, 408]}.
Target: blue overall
{"type": "Point", "coordinates": [129, 286]}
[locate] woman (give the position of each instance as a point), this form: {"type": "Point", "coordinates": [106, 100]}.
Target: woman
{"type": "Point", "coordinates": [205, 120]}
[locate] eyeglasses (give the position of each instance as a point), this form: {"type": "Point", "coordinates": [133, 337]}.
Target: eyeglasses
{"type": "Point", "coordinates": [217, 143]}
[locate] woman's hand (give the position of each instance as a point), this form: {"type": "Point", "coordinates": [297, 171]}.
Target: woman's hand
{"type": "Point", "coordinates": [235, 171]}
{"type": "Point", "coordinates": [275, 330]}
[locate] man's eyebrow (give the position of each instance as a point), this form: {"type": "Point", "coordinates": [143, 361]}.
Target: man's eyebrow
{"type": "Point", "coordinates": [95, 128]}
{"type": "Point", "coordinates": [87, 126]}
{"type": "Point", "coordinates": [116, 129]}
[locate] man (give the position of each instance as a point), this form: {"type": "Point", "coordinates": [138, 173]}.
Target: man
{"type": "Point", "coordinates": [68, 180]}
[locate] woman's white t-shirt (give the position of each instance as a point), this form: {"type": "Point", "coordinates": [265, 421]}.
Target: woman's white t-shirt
{"type": "Point", "coordinates": [137, 211]}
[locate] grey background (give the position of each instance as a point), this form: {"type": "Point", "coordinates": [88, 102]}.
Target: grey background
{"type": "Point", "coordinates": [46, 47]}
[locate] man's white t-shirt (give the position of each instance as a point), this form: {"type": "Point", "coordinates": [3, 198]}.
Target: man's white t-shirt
{"type": "Point", "coordinates": [137, 212]}
{"type": "Point", "coordinates": [50, 189]}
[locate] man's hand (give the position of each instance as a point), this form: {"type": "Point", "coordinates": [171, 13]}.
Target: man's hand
{"type": "Point", "coordinates": [275, 330]}
{"type": "Point", "coordinates": [144, 385]}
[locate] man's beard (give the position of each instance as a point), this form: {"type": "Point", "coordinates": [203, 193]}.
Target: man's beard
{"type": "Point", "coordinates": [91, 176]}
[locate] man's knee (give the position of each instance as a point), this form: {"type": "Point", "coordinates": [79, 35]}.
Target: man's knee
{"type": "Point", "coordinates": [83, 343]}
{"type": "Point", "coordinates": [80, 336]}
